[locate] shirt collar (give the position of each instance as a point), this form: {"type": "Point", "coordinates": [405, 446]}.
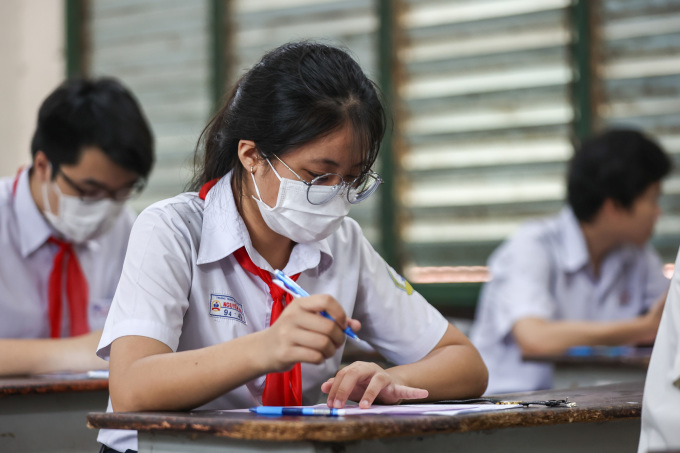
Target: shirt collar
{"type": "Point", "coordinates": [576, 254]}
{"type": "Point", "coordinates": [33, 227]}
{"type": "Point", "coordinates": [574, 247]}
{"type": "Point", "coordinates": [223, 232]}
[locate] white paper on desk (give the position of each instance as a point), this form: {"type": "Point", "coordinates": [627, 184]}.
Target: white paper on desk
{"type": "Point", "coordinates": [425, 409]}
{"type": "Point", "coordinates": [75, 375]}
{"type": "Point", "coordinates": [414, 409]}
{"type": "Point", "coordinates": [98, 374]}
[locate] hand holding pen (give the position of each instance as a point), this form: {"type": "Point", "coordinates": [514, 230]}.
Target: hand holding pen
{"type": "Point", "coordinates": [300, 335]}
{"type": "Point", "coordinates": [288, 284]}
{"type": "Point", "coordinates": [361, 381]}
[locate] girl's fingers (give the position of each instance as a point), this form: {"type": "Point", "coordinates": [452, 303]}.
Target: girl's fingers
{"type": "Point", "coordinates": [326, 386]}
{"type": "Point", "coordinates": [333, 390]}
{"type": "Point", "coordinates": [389, 392]}
{"type": "Point", "coordinates": [350, 382]}
{"type": "Point", "coordinates": [343, 389]}
{"type": "Point", "coordinates": [403, 392]}
{"type": "Point", "coordinates": [354, 324]}
{"type": "Point", "coordinates": [376, 385]}
{"type": "Point", "coordinates": [323, 302]}
{"type": "Point", "coordinates": [365, 383]}
{"type": "Point", "coordinates": [314, 322]}
{"type": "Point", "coordinates": [316, 341]}
{"type": "Point", "coordinates": [306, 355]}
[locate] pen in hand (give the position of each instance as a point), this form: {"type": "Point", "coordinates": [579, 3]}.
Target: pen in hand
{"type": "Point", "coordinates": [295, 290]}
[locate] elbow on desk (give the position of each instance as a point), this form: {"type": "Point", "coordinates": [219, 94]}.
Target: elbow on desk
{"type": "Point", "coordinates": [127, 398]}
{"type": "Point", "coordinates": [480, 379]}
{"type": "Point", "coordinates": [122, 403]}
{"type": "Point", "coordinates": [482, 383]}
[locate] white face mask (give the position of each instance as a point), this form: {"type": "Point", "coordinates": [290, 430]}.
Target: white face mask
{"type": "Point", "coordinates": [77, 220]}
{"type": "Point", "coordinates": [296, 218]}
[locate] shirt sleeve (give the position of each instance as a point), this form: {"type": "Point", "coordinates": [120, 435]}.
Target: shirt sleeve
{"type": "Point", "coordinates": [520, 285]}
{"type": "Point", "coordinates": [656, 283]}
{"type": "Point", "coordinates": [152, 295]}
{"type": "Point", "coordinates": [669, 329]}
{"type": "Point", "coordinates": [397, 321]}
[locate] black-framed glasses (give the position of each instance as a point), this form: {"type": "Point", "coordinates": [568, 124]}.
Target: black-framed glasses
{"type": "Point", "coordinates": [358, 190]}
{"type": "Point", "coordinates": [100, 193]}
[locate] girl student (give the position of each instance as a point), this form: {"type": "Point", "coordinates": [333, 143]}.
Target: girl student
{"type": "Point", "coordinates": [196, 321]}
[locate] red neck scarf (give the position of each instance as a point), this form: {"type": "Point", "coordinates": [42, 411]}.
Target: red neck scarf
{"type": "Point", "coordinates": [76, 291]}
{"type": "Point", "coordinates": [280, 389]}
{"type": "Point", "coordinates": [76, 287]}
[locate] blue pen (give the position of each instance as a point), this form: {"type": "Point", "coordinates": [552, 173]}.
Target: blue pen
{"type": "Point", "coordinates": [293, 288]}
{"type": "Point", "coordinates": [278, 410]}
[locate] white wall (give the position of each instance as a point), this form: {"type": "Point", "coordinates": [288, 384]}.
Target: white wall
{"type": "Point", "coordinates": [32, 64]}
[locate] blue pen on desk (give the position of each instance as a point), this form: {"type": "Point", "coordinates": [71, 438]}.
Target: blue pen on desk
{"type": "Point", "coordinates": [279, 410]}
{"type": "Point", "coordinates": [288, 285]}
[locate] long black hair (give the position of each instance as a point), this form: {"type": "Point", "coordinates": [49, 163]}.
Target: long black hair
{"type": "Point", "coordinates": [297, 93]}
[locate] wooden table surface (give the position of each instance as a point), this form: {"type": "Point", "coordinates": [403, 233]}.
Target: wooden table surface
{"type": "Point", "coordinates": [594, 404]}
{"type": "Point", "coordinates": [49, 384]}
{"type": "Point", "coordinates": [630, 358]}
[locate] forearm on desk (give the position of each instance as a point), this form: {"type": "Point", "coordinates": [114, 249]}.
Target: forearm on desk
{"type": "Point", "coordinates": [45, 355]}
{"type": "Point", "coordinates": [146, 375]}
{"type": "Point", "coordinates": [539, 336]}
{"type": "Point", "coordinates": [453, 369]}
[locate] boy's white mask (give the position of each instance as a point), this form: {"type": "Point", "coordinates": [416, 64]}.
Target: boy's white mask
{"type": "Point", "coordinates": [77, 220]}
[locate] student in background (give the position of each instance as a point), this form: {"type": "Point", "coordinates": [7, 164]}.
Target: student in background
{"type": "Point", "coordinates": [196, 320]}
{"type": "Point", "coordinates": [64, 226]}
{"type": "Point", "coordinates": [661, 398]}
{"type": "Point", "coordinates": [584, 277]}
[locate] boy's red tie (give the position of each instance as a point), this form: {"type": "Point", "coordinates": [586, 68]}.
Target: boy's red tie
{"type": "Point", "coordinates": [76, 291]}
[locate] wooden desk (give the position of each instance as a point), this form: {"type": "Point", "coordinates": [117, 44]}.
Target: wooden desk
{"type": "Point", "coordinates": [599, 367]}
{"type": "Point", "coordinates": [49, 414]}
{"type": "Point", "coordinates": [607, 419]}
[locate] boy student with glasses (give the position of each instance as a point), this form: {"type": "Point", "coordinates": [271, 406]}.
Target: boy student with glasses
{"type": "Point", "coordinates": [64, 226]}
{"type": "Point", "coordinates": [586, 276]}
{"type": "Point", "coordinates": [197, 320]}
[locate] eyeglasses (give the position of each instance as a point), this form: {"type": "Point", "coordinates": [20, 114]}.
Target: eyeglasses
{"type": "Point", "coordinates": [92, 195]}
{"type": "Point", "coordinates": [358, 190]}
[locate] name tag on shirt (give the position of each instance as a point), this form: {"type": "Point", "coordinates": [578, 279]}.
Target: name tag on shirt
{"type": "Point", "coordinates": [222, 306]}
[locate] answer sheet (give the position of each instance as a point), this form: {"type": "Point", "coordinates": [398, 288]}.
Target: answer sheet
{"type": "Point", "coordinates": [413, 409]}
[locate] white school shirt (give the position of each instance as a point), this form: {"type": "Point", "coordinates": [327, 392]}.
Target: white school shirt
{"type": "Point", "coordinates": [180, 267]}
{"type": "Point", "coordinates": [27, 258]}
{"type": "Point", "coordinates": [543, 271]}
{"type": "Point", "coordinates": [661, 398]}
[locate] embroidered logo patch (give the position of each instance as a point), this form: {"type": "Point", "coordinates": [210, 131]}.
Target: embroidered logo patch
{"type": "Point", "coordinates": [226, 307]}
{"type": "Point", "coordinates": [399, 281]}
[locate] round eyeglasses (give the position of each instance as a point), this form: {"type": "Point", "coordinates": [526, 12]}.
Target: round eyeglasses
{"type": "Point", "coordinates": [99, 193]}
{"type": "Point", "coordinates": [358, 190]}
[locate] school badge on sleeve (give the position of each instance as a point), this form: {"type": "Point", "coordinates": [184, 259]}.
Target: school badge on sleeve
{"type": "Point", "coordinates": [226, 307]}
{"type": "Point", "coordinates": [399, 281]}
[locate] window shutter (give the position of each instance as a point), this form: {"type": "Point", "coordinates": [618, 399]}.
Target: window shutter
{"type": "Point", "coordinates": [487, 123]}
{"type": "Point", "coordinates": [638, 63]}
{"type": "Point", "coordinates": [160, 50]}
